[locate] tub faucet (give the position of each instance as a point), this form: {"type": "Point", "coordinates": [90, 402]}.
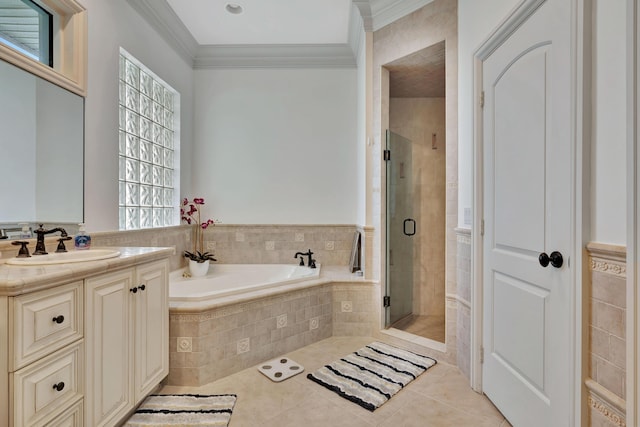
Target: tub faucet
{"type": "Point", "coordinates": [40, 232]}
{"type": "Point", "coordinates": [311, 263]}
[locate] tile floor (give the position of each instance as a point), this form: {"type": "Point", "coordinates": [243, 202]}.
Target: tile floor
{"type": "Point", "coordinates": [439, 397]}
{"type": "Point", "coordinates": [432, 327]}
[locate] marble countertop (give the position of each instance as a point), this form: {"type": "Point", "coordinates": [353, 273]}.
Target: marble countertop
{"type": "Point", "coordinates": [17, 280]}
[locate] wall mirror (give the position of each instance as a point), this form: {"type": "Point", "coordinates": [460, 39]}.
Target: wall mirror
{"type": "Point", "coordinates": [41, 150]}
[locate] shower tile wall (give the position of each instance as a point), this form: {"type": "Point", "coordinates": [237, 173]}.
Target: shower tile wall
{"type": "Point", "coordinates": [419, 119]}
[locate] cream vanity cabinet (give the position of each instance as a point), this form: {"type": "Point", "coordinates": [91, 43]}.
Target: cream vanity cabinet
{"type": "Point", "coordinates": [83, 346]}
{"type": "Point", "coordinates": [127, 323]}
{"type": "Point", "coordinates": [45, 361]}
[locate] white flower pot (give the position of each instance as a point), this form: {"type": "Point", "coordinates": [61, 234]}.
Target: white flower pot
{"type": "Point", "coordinates": [198, 269]}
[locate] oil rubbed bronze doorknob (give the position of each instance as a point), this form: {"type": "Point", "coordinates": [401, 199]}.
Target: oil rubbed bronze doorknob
{"type": "Point", "coordinates": [555, 259]}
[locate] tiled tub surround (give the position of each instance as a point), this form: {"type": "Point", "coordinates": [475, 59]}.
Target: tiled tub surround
{"type": "Point", "coordinates": [607, 331]}
{"type": "Point", "coordinates": [277, 244]}
{"type": "Point", "coordinates": [233, 244]}
{"type": "Point", "coordinates": [231, 334]}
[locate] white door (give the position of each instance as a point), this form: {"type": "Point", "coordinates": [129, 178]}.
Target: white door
{"type": "Point", "coordinates": [527, 308]}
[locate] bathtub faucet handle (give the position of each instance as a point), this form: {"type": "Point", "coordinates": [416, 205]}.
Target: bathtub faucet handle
{"type": "Point", "coordinates": [312, 262]}
{"type": "Point", "coordinates": [300, 254]}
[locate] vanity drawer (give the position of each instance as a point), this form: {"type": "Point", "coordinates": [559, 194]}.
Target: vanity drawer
{"type": "Point", "coordinates": [44, 322]}
{"type": "Point", "coordinates": [72, 417]}
{"type": "Point", "coordinates": [47, 388]}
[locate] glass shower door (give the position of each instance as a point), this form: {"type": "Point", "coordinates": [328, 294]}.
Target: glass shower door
{"type": "Point", "coordinates": [400, 228]}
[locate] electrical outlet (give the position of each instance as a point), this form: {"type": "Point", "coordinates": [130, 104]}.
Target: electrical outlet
{"type": "Point", "coordinates": [346, 306]}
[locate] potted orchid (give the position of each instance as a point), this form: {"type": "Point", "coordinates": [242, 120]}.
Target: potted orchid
{"type": "Point", "coordinates": [198, 258]}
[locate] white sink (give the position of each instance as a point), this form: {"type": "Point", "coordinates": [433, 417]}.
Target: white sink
{"type": "Point", "coordinates": [66, 257]}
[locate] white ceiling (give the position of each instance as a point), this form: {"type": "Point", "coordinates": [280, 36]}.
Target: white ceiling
{"type": "Point", "coordinates": [265, 22]}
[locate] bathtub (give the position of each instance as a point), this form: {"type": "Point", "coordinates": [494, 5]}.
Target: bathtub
{"type": "Point", "coordinates": [228, 280]}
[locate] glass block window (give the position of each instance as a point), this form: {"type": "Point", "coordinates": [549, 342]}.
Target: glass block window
{"type": "Point", "coordinates": [148, 148]}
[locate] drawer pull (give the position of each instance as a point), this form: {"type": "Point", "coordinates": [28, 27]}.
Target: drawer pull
{"type": "Point", "coordinates": [142, 287]}
{"type": "Point", "coordinates": [59, 386]}
{"type": "Point", "coordinates": [58, 319]}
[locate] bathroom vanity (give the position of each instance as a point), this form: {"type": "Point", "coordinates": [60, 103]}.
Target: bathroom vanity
{"type": "Point", "coordinates": [82, 344]}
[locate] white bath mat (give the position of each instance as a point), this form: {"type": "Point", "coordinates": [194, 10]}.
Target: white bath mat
{"type": "Point", "coordinates": [279, 369]}
{"type": "Point", "coordinates": [373, 374]}
{"type": "Point", "coordinates": [184, 410]}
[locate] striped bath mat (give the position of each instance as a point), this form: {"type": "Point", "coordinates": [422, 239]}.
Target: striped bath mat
{"type": "Point", "coordinates": [373, 374]}
{"type": "Point", "coordinates": [184, 410]}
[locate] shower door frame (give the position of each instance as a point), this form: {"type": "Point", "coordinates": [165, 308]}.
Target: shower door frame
{"type": "Point", "coordinates": [389, 157]}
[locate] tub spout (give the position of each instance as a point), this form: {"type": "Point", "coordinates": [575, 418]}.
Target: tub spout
{"type": "Point", "coordinates": [311, 263]}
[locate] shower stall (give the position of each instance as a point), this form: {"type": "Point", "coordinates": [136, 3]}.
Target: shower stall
{"type": "Point", "coordinates": [415, 217]}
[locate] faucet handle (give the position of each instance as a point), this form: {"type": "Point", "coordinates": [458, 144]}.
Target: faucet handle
{"type": "Point", "coordinates": [23, 252]}
{"type": "Point", "coordinates": [61, 247]}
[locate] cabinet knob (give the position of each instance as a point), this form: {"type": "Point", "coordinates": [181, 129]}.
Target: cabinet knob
{"type": "Point", "coordinates": [134, 290]}
{"type": "Point", "coordinates": [142, 287]}
{"type": "Point", "coordinates": [58, 319]}
{"type": "Point", "coordinates": [59, 386]}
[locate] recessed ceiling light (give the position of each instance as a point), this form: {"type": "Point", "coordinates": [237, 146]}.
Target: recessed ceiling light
{"type": "Point", "coordinates": [234, 8]}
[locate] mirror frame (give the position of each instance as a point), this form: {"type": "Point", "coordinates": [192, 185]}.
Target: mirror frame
{"type": "Point", "coordinates": [70, 52]}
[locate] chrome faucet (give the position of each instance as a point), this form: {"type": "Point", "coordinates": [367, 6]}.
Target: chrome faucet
{"type": "Point", "coordinates": [311, 263]}
{"type": "Point", "coordinates": [41, 232]}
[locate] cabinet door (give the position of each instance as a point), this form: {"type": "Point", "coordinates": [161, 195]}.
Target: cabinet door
{"type": "Point", "coordinates": [109, 352]}
{"type": "Point", "coordinates": [151, 327]}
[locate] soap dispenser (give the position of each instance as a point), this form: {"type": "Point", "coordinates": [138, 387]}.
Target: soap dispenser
{"type": "Point", "coordinates": [82, 240]}
{"type": "Point", "coordinates": [25, 233]}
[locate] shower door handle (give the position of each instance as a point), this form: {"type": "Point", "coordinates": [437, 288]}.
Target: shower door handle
{"type": "Point", "coordinates": [413, 227]}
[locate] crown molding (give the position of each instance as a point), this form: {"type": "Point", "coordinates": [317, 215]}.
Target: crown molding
{"type": "Point", "coordinates": [367, 15]}
{"type": "Point", "coordinates": [356, 38]}
{"type": "Point", "coordinates": [164, 20]}
{"type": "Point", "coordinates": [275, 56]}
{"type": "Point", "coordinates": [384, 12]}
{"type": "Point", "coordinates": [364, 7]}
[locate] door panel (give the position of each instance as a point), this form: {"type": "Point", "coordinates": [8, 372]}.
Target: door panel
{"type": "Point", "coordinates": [401, 228]}
{"type": "Point", "coordinates": [527, 308]}
{"type": "Point", "coordinates": [519, 151]}
{"type": "Point", "coordinates": [520, 305]}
